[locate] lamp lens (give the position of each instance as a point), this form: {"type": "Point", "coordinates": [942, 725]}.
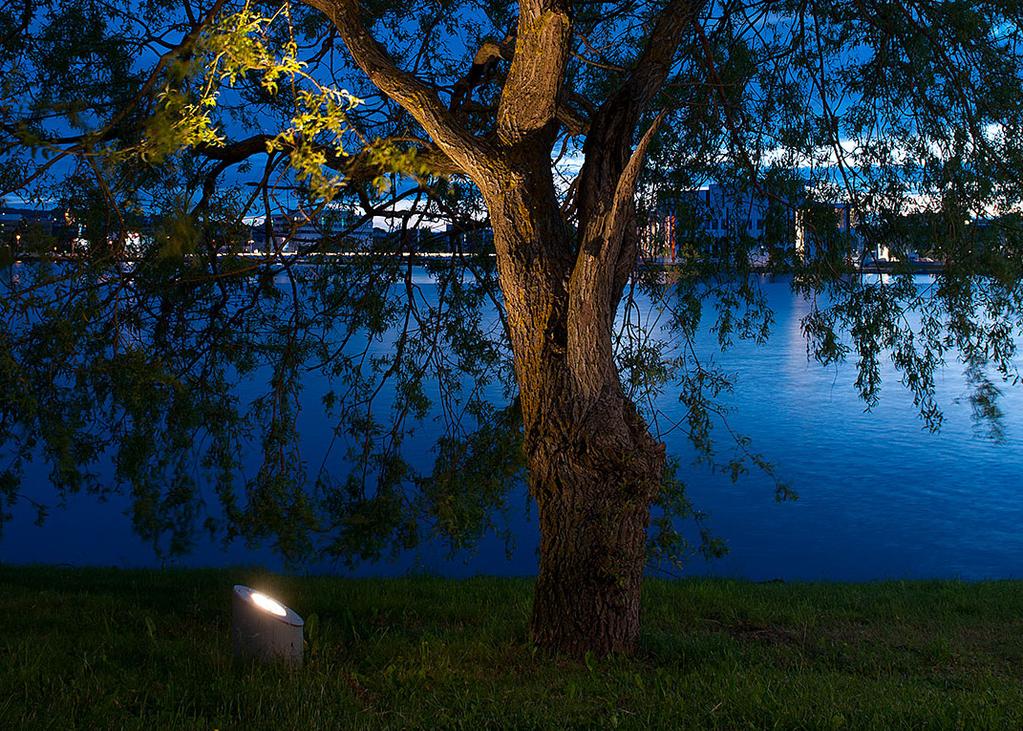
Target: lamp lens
{"type": "Point", "coordinates": [269, 605]}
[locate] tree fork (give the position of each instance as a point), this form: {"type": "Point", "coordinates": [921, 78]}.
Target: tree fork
{"type": "Point", "coordinates": [594, 467]}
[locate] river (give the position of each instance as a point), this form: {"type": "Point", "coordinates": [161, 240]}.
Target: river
{"type": "Point", "coordinates": [880, 497]}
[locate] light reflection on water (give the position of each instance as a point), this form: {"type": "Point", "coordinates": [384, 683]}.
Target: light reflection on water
{"type": "Point", "coordinates": [880, 497]}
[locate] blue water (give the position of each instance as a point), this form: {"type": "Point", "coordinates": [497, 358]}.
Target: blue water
{"type": "Point", "coordinates": [879, 495]}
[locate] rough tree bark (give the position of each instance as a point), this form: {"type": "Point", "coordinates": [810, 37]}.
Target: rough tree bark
{"type": "Point", "coordinates": [594, 467]}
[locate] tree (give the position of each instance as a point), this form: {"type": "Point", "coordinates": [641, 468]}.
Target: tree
{"type": "Point", "coordinates": [889, 105]}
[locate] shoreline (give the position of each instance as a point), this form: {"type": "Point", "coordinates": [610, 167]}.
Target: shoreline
{"type": "Point", "coordinates": [935, 267]}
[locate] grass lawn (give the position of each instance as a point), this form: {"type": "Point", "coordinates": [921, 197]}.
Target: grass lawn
{"type": "Point", "coordinates": [99, 649]}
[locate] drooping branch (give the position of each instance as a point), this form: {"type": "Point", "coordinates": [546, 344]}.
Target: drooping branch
{"type": "Point", "coordinates": [25, 131]}
{"type": "Point", "coordinates": [358, 170]}
{"type": "Point", "coordinates": [235, 152]}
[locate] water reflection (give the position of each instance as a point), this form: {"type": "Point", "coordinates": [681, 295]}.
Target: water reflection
{"type": "Point", "coordinates": [880, 497]}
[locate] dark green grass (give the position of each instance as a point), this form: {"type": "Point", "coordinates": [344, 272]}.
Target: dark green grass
{"type": "Point", "coordinates": [98, 649]}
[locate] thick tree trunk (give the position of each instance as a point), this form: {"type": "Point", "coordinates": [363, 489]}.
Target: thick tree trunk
{"type": "Point", "coordinates": [594, 467]}
{"type": "Point", "coordinates": [593, 489]}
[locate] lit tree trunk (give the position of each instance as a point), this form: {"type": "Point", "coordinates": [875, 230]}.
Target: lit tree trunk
{"type": "Point", "coordinates": [593, 487]}
{"type": "Point", "coordinates": [594, 467]}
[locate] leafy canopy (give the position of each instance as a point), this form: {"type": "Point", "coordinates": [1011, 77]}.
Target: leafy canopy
{"type": "Point", "coordinates": [187, 122]}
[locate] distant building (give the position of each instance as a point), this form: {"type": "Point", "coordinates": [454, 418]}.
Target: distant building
{"type": "Point", "coordinates": [477, 241]}
{"type": "Point", "coordinates": [718, 212]}
{"type": "Point", "coordinates": [12, 219]}
{"type": "Point", "coordinates": [444, 240]}
{"type": "Point", "coordinates": [709, 222]}
{"type": "Point", "coordinates": [333, 229]}
{"type": "Point", "coordinates": [380, 236]}
{"type": "Point", "coordinates": [29, 229]}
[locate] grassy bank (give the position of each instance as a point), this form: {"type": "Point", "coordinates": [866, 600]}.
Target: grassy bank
{"type": "Point", "coordinates": [84, 648]}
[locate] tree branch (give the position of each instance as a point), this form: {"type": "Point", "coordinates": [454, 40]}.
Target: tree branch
{"type": "Point", "coordinates": [482, 70]}
{"type": "Point", "coordinates": [613, 126]}
{"type": "Point", "coordinates": [467, 151]}
{"type": "Point", "coordinates": [529, 101]}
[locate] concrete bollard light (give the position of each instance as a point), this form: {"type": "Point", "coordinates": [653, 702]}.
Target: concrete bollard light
{"type": "Point", "coordinates": [264, 629]}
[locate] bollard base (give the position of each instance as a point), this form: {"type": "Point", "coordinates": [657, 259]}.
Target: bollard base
{"type": "Point", "coordinates": [263, 629]}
